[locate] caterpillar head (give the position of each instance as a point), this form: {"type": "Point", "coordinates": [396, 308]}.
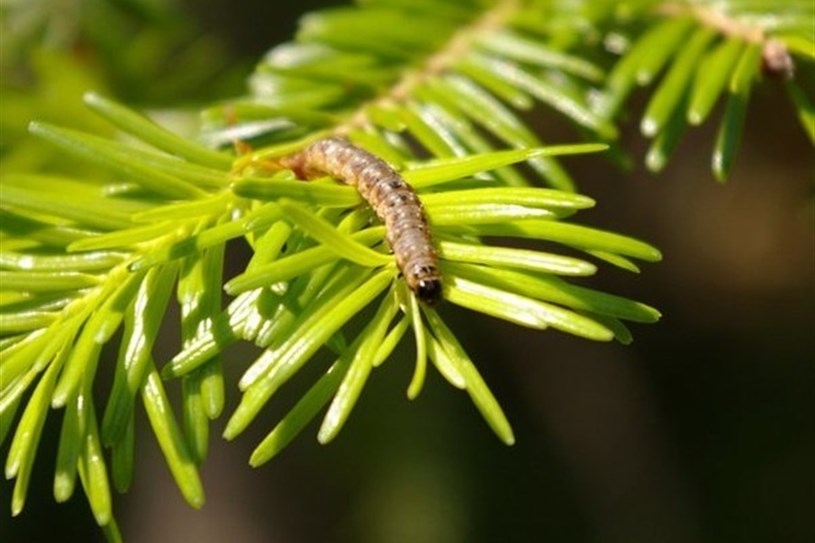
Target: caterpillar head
{"type": "Point", "coordinates": [425, 281]}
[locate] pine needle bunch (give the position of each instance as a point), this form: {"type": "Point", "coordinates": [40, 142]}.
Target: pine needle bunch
{"type": "Point", "coordinates": [82, 260]}
{"type": "Point", "coordinates": [439, 90]}
{"type": "Point", "coordinates": [698, 53]}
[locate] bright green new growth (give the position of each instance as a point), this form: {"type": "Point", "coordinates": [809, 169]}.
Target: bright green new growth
{"type": "Point", "coordinates": [712, 51]}
{"type": "Point", "coordinates": [290, 302]}
{"type": "Point", "coordinates": [92, 267]}
{"type": "Point", "coordinates": [436, 88]}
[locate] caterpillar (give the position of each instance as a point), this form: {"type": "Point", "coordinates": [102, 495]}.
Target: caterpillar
{"type": "Point", "coordinates": [392, 198]}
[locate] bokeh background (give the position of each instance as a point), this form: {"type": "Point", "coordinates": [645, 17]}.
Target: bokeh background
{"type": "Point", "coordinates": [701, 431]}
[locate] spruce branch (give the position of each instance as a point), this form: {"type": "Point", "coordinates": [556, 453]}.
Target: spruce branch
{"type": "Point", "coordinates": [711, 51]}
{"type": "Point", "coordinates": [112, 257]}
{"type": "Point", "coordinates": [438, 89]}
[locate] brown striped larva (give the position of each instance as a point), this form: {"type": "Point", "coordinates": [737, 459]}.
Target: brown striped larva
{"type": "Point", "coordinates": [395, 202]}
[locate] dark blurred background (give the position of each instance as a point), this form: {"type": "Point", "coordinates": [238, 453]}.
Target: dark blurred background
{"type": "Point", "coordinates": [701, 431]}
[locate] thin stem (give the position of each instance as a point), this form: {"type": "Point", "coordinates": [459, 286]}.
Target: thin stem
{"type": "Point", "coordinates": [457, 47]}
{"type": "Point", "coordinates": [775, 55]}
